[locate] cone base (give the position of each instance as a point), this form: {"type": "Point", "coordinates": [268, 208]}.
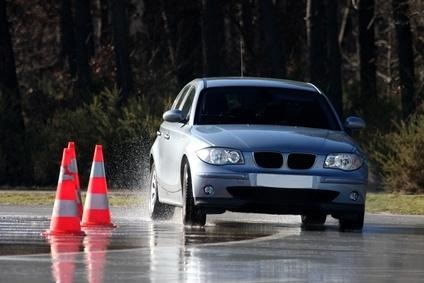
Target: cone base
{"type": "Point", "coordinates": [62, 233]}
{"type": "Point", "coordinates": [99, 225]}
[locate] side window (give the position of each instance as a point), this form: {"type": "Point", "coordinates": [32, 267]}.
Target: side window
{"type": "Point", "coordinates": [188, 101]}
{"type": "Point", "coordinates": [180, 97]}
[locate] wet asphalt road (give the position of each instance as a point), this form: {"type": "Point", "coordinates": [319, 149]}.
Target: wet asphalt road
{"type": "Point", "coordinates": [231, 248]}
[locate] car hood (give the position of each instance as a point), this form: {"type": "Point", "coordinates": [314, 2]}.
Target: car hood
{"type": "Point", "coordinates": [275, 138]}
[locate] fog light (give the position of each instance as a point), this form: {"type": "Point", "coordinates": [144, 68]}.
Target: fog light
{"type": "Point", "coordinates": [209, 190]}
{"type": "Point", "coordinates": [354, 196]}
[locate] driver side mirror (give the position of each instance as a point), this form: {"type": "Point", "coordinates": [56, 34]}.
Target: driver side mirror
{"type": "Point", "coordinates": [173, 116]}
{"type": "Point", "coordinates": [354, 123]}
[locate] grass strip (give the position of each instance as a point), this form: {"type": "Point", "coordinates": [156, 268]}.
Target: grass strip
{"type": "Point", "coordinates": [376, 202]}
{"type": "Point", "coordinates": [395, 203]}
{"type": "Point", "coordinates": [47, 198]}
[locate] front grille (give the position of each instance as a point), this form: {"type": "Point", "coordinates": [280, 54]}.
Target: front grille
{"type": "Point", "coordinates": [268, 159]}
{"type": "Point", "coordinates": [277, 195]}
{"type": "Point", "coordinates": [300, 161]}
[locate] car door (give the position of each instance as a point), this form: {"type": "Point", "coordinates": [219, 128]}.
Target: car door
{"type": "Point", "coordinates": [174, 138]}
{"type": "Point", "coordinates": [162, 167]}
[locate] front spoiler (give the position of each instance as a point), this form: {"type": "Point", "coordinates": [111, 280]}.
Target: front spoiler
{"type": "Point", "coordinates": [220, 205]}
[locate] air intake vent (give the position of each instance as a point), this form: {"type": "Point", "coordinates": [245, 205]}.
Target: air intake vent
{"type": "Point", "coordinates": [269, 159]}
{"type": "Point", "coordinates": [300, 161]}
{"type": "Point", "coordinates": [271, 195]}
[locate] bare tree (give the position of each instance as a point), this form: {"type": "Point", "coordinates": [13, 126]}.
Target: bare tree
{"type": "Point", "coordinates": [83, 47]}
{"type": "Point", "coordinates": [120, 42]}
{"type": "Point", "coordinates": [248, 39]}
{"type": "Point", "coordinates": [316, 32]}
{"type": "Point", "coordinates": [183, 22]}
{"type": "Point", "coordinates": [406, 56]}
{"type": "Point", "coordinates": [67, 35]}
{"type": "Point", "coordinates": [15, 162]}
{"type": "Point", "coordinates": [274, 52]}
{"type": "Point", "coordinates": [294, 36]}
{"type": "Point", "coordinates": [367, 50]}
{"type": "Point", "coordinates": [105, 29]}
{"type": "Point", "coordinates": [212, 31]}
{"type": "Point", "coordinates": [334, 88]}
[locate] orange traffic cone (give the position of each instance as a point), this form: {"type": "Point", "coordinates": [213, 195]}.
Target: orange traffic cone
{"type": "Point", "coordinates": [74, 169]}
{"type": "Point", "coordinates": [64, 251]}
{"type": "Point", "coordinates": [65, 218]}
{"type": "Point", "coordinates": [96, 206]}
{"type": "Point", "coordinates": [95, 248]}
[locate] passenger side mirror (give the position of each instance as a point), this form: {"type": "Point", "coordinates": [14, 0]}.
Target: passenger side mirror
{"type": "Point", "coordinates": [354, 123]}
{"type": "Point", "coordinates": [173, 116]}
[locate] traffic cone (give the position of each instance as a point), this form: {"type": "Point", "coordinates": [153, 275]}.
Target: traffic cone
{"type": "Point", "coordinates": [95, 250]}
{"type": "Point", "coordinates": [65, 218]}
{"type": "Point", "coordinates": [64, 250]}
{"type": "Point", "coordinates": [74, 169]}
{"type": "Point", "coordinates": [96, 207]}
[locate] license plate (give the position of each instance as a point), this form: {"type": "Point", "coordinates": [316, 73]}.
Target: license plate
{"type": "Point", "coordinates": [284, 181]}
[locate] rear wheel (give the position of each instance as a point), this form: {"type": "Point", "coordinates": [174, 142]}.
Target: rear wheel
{"type": "Point", "coordinates": [191, 214]}
{"type": "Point", "coordinates": [157, 210]}
{"type": "Point", "coordinates": [354, 222]}
{"type": "Point", "coordinates": [313, 220]}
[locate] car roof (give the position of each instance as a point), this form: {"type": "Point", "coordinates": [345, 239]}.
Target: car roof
{"type": "Point", "coordinates": [257, 82]}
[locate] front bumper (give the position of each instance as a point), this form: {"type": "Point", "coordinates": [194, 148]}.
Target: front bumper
{"type": "Point", "coordinates": [240, 192]}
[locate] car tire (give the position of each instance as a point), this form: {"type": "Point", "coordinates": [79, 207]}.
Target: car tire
{"type": "Point", "coordinates": [157, 210]}
{"type": "Point", "coordinates": [191, 214]}
{"type": "Point", "coordinates": [316, 220]}
{"type": "Point", "coordinates": [354, 222]}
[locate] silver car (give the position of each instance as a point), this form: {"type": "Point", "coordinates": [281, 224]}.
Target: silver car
{"type": "Point", "coordinates": [257, 145]}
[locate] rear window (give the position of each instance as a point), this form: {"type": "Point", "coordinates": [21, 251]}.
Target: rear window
{"type": "Point", "coordinates": [268, 106]}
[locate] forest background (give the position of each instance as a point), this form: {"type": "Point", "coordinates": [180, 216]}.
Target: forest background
{"type": "Point", "coordinates": [104, 71]}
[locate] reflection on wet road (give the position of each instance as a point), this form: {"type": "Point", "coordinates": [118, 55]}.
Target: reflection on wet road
{"type": "Point", "coordinates": [232, 247]}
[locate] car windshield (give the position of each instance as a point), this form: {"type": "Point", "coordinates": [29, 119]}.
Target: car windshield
{"type": "Point", "coordinates": [264, 105]}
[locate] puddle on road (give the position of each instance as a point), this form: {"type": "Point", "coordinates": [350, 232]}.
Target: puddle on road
{"type": "Point", "coordinates": [170, 252]}
{"type": "Point", "coordinates": [21, 236]}
{"type": "Point", "coordinates": [21, 249]}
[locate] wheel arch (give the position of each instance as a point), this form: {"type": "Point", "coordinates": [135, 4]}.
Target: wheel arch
{"type": "Point", "coordinates": [151, 162]}
{"type": "Point", "coordinates": [184, 160]}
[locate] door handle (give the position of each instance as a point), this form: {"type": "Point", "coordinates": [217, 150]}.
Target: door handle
{"type": "Point", "coordinates": [166, 136]}
{"type": "Point", "coordinates": [158, 133]}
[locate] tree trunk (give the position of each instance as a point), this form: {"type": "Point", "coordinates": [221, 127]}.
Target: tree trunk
{"type": "Point", "coordinates": [275, 65]}
{"type": "Point", "coordinates": [183, 23]}
{"type": "Point", "coordinates": [295, 38]}
{"type": "Point", "coordinates": [87, 27]}
{"type": "Point", "coordinates": [248, 31]}
{"type": "Point", "coordinates": [83, 33]}
{"type": "Point", "coordinates": [334, 89]}
{"type": "Point", "coordinates": [406, 56]}
{"type": "Point", "coordinates": [212, 32]}
{"type": "Point", "coordinates": [105, 29]}
{"type": "Point", "coordinates": [367, 51]}
{"type": "Point", "coordinates": [67, 36]}
{"type": "Point", "coordinates": [15, 160]}
{"type": "Point", "coordinates": [317, 43]}
{"type": "Point", "coordinates": [120, 41]}
{"type": "Point", "coordinates": [232, 45]}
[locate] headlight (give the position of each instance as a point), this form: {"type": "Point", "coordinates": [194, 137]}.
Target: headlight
{"type": "Point", "coordinates": [343, 161]}
{"type": "Point", "coordinates": [220, 156]}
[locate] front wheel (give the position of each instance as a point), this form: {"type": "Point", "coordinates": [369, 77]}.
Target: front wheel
{"type": "Point", "coordinates": [191, 213]}
{"type": "Point", "coordinates": [157, 210]}
{"type": "Point", "coordinates": [313, 220]}
{"type": "Point", "coordinates": [354, 222]}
